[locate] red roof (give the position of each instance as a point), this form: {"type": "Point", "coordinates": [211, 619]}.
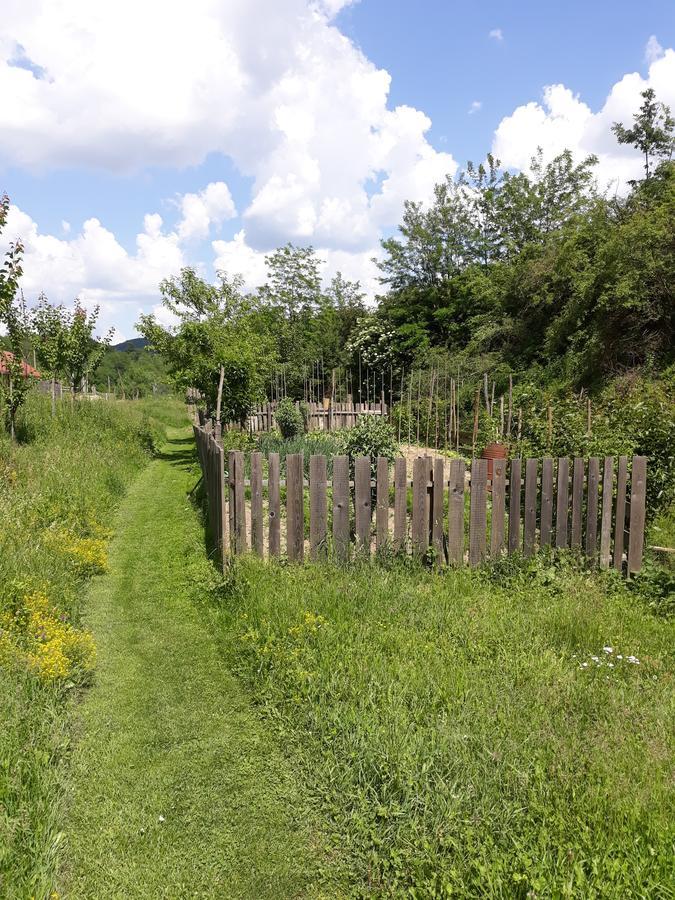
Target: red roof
{"type": "Point", "coordinates": [28, 371]}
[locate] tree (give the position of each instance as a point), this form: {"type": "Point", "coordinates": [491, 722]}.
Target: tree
{"type": "Point", "coordinates": [14, 319]}
{"type": "Point", "coordinates": [216, 327]}
{"type": "Point", "coordinates": [652, 133]}
{"type": "Point", "coordinates": [50, 326]}
{"type": "Point", "coordinates": [82, 353]}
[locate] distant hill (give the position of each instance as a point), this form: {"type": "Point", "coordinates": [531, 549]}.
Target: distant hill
{"type": "Point", "coordinates": [134, 344]}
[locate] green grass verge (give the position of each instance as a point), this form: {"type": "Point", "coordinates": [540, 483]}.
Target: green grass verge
{"type": "Point", "coordinates": [58, 488]}
{"type": "Point", "coordinates": [177, 789]}
{"type": "Point", "coordinates": [460, 734]}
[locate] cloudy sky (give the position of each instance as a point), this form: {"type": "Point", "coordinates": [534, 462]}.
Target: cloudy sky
{"type": "Point", "coordinates": [138, 136]}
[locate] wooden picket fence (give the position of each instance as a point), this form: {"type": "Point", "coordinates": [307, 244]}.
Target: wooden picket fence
{"type": "Point", "coordinates": [327, 416]}
{"type": "Point", "coordinates": [518, 509]}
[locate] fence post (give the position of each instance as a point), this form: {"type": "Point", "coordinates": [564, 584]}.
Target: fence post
{"type": "Point", "coordinates": [400, 505]}
{"type": "Point", "coordinates": [437, 511]}
{"type": "Point", "coordinates": [256, 503]}
{"type": "Point", "coordinates": [514, 504]}
{"type": "Point", "coordinates": [382, 504]}
{"type": "Point", "coordinates": [530, 529]}
{"type": "Point", "coordinates": [317, 506]}
{"type": "Point", "coordinates": [295, 515]}
{"type": "Point", "coordinates": [606, 520]}
{"type": "Point", "coordinates": [231, 468]}
{"type": "Point", "coordinates": [620, 523]}
{"type": "Point", "coordinates": [341, 507]}
{"type": "Point", "coordinates": [562, 502]}
{"type": "Point", "coordinates": [362, 503]}
{"type": "Point", "coordinates": [478, 515]}
{"type": "Point", "coordinates": [592, 507]}
{"type": "Point", "coordinates": [545, 526]}
{"type": "Point", "coordinates": [456, 511]}
{"type": "Point", "coordinates": [420, 520]}
{"type": "Point", "coordinates": [577, 501]}
{"type": "Point", "coordinates": [498, 506]}
{"type": "Point", "coordinates": [274, 504]}
{"type": "Point", "coordinates": [240, 502]}
{"type": "Point", "coordinates": [638, 508]}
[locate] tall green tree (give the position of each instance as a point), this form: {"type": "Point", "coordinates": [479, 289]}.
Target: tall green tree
{"type": "Point", "coordinates": [216, 326]}
{"type": "Point", "coordinates": [15, 385]}
{"type": "Point", "coordinates": [82, 352]}
{"type": "Point", "coordinates": [50, 329]}
{"type": "Point", "coordinates": [652, 132]}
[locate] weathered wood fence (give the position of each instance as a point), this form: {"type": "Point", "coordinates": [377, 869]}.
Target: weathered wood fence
{"type": "Point", "coordinates": [449, 512]}
{"type": "Point", "coordinates": [327, 416]}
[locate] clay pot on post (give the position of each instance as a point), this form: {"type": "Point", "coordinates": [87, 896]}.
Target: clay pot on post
{"type": "Point", "coordinates": [493, 451]}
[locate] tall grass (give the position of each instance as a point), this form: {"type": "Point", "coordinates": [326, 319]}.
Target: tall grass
{"type": "Point", "coordinates": [470, 737]}
{"type": "Point", "coordinates": [58, 491]}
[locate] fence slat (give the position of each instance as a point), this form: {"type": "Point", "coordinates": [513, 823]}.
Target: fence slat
{"type": "Point", "coordinates": [562, 505]}
{"type": "Point", "coordinates": [530, 529]}
{"type": "Point", "coordinates": [638, 509]}
{"type": "Point", "coordinates": [514, 504]}
{"type": "Point", "coordinates": [400, 505]}
{"type": "Point", "coordinates": [295, 515]}
{"type": "Point", "coordinates": [437, 512]}
{"type": "Point", "coordinates": [382, 504]}
{"type": "Point", "coordinates": [341, 507]}
{"type": "Point", "coordinates": [239, 503]}
{"type": "Point", "coordinates": [606, 520]}
{"type": "Point", "coordinates": [274, 504]}
{"type": "Point", "coordinates": [456, 511]}
{"type": "Point", "coordinates": [231, 467]}
{"type": "Point", "coordinates": [546, 522]}
{"type": "Point", "coordinates": [577, 501]}
{"type": "Point", "coordinates": [498, 506]}
{"type": "Point", "coordinates": [478, 511]}
{"type": "Point", "coordinates": [318, 523]}
{"type": "Point", "coordinates": [256, 503]}
{"type": "Point", "coordinates": [592, 506]}
{"type": "Point", "coordinates": [620, 518]}
{"type": "Point", "coordinates": [362, 503]}
{"type": "Point", "coordinates": [420, 522]}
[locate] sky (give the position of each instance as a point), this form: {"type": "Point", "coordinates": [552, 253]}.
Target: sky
{"type": "Point", "coordinates": [140, 136]}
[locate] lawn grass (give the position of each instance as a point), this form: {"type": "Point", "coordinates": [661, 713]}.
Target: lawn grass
{"type": "Point", "coordinates": [59, 488]}
{"type": "Point", "coordinates": [457, 730]}
{"type": "Point", "coordinates": [177, 789]}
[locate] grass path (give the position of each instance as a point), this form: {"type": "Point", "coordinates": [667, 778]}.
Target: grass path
{"type": "Point", "coordinates": [177, 789]}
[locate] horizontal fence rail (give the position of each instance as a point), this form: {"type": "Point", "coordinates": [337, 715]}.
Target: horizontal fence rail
{"type": "Point", "coordinates": [447, 512]}
{"type": "Point", "coordinates": [327, 416]}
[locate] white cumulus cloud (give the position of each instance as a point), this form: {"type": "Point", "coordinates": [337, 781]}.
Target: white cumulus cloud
{"type": "Point", "coordinates": [562, 120]}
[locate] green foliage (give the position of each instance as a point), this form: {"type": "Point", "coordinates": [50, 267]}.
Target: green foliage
{"type": "Point", "coordinates": [289, 419]}
{"type": "Point", "coordinates": [372, 436]}
{"type": "Point", "coordinates": [14, 386]}
{"type": "Point", "coordinates": [132, 373]}
{"type": "Point", "coordinates": [653, 131]}
{"type": "Point", "coordinates": [216, 328]}
{"type": "Point", "coordinates": [430, 713]}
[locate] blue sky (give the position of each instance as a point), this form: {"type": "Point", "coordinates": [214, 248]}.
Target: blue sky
{"type": "Point", "coordinates": [207, 135]}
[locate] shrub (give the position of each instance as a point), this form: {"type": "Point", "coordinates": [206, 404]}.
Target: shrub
{"type": "Point", "coordinates": [289, 419]}
{"type": "Point", "coordinates": [372, 436]}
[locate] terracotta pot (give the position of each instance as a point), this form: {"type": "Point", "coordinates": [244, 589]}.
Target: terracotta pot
{"type": "Point", "coordinates": [493, 451]}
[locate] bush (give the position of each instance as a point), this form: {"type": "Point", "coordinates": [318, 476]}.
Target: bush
{"type": "Point", "coordinates": [290, 420]}
{"type": "Point", "coordinates": [372, 436]}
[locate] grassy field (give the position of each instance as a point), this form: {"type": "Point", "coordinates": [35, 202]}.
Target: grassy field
{"type": "Point", "coordinates": [177, 788]}
{"type": "Point", "coordinates": [58, 490]}
{"type": "Point", "coordinates": [469, 736]}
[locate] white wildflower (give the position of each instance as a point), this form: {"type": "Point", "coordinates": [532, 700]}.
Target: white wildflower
{"type": "Point", "coordinates": [162, 819]}
{"type": "Point", "coordinates": [608, 649]}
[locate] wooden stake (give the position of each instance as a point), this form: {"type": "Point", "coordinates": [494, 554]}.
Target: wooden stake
{"type": "Point", "coordinates": [508, 421]}
{"type": "Point", "coordinates": [476, 407]}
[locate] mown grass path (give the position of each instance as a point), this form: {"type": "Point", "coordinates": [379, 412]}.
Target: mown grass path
{"type": "Point", "coordinates": [177, 789]}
